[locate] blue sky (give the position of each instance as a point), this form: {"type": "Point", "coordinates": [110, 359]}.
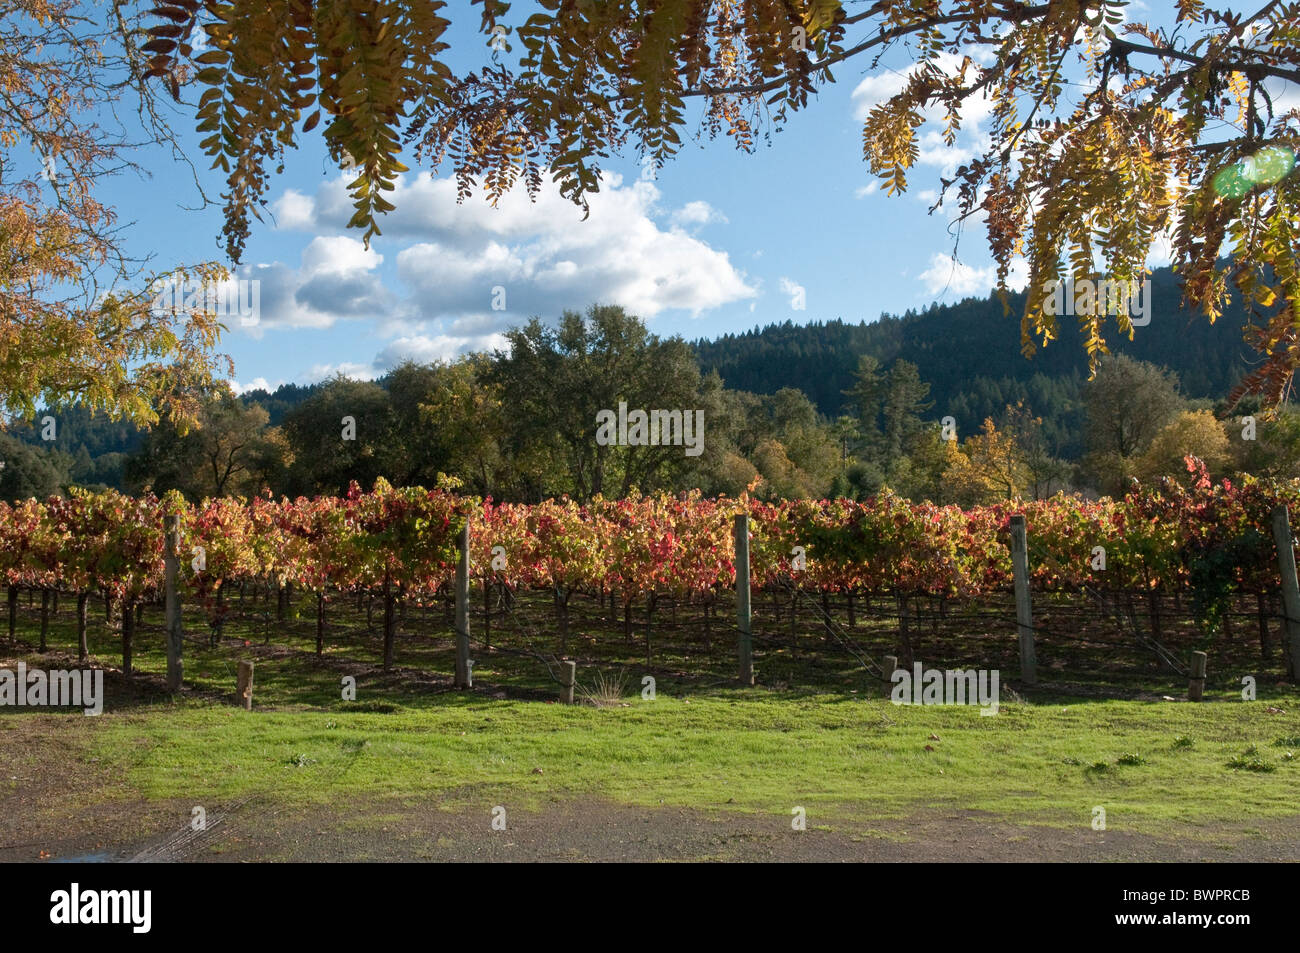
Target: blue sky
{"type": "Point", "coordinates": [717, 241]}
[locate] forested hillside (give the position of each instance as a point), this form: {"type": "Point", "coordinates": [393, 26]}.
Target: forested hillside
{"type": "Point", "coordinates": [969, 352]}
{"type": "Point", "coordinates": [825, 408]}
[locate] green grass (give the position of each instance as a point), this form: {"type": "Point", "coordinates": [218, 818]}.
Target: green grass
{"type": "Point", "coordinates": [829, 740]}
{"type": "Point", "coordinates": [744, 750]}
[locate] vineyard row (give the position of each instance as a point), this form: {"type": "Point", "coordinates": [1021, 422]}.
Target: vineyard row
{"type": "Point", "coordinates": [1212, 538]}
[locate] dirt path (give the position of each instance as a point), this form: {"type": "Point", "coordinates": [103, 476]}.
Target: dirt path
{"type": "Point", "coordinates": [591, 830]}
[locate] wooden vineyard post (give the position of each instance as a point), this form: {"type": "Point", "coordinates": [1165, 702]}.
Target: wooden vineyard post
{"type": "Point", "coordinates": [743, 616]}
{"type": "Point", "coordinates": [172, 604]}
{"type": "Point", "coordinates": [244, 686]}
{"type": "Point", "coordinates": [570, 672]}
{"type": "Point", "coordinates": [464, 677]}
{"type": "Point", "coordinates": [82, 648]}
{"type": "Point", "coordinates": [1024, 613]}
{"type": "Point", "coordinates": [128, 634]}
{"type": "Point", "coordinates": [1196, 683]}
{"type": "Point", "coordinates": [45, 617]}
{"type": "Point", "coordinates": [1290, 588]}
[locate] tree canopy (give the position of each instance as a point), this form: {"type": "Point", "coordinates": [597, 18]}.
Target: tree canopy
{"type": "Point", "coordinates": [1105, 135]}
{"type": "Point", "coordinates": [77, 314]}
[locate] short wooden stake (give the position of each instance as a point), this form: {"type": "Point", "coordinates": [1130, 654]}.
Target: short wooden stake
{"type": "Point", "coordinates": [570, 673]}
{"type": "Point", "coordinates": [244, 686]}
{"type": "Point", "coordinates": [1196, 683]}
{"type": "Point", "coordinates": [888, 666]}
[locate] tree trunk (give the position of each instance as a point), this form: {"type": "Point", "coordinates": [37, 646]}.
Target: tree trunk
{"type": "Point", "coordinates": [320, 623]}
{"type": "Point", "coordinates": [45, 616]}
{"type": "Point", "coordinates": [390, 625]}
{"type": "Point", "coordinates": [562, 614]}
{"type": "Point", "coordinates": [82, 649]}
{"type": "Point", "coordinates": [13, 611]}
{"type": "Point", "coordinates": [1265, 637]}
{"type": "Point", "coordinates": [649, 615]}
{"type": "Point", "coordinates": [853, 615]}
{"type": "Point", "coordinates": [219, 630]}
{"type": "Point", "coordinates": [128, 633]}
{"type": "Point", "coordinates": [904, 634]}
{"type": "Point", "coordinates": [794, 618]}
{"type": "Point", "coordinates": [627, 622]}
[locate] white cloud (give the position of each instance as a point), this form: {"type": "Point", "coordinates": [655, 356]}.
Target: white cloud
{"type": "Point", "coordinates": [947, 277]}
{"type": "Point", "coordinates": [293, 210]}
{"type": "Point", "coordinates": [337, 278]}
{"type": "Point", "coordinates": [695, 214]}
{"type": "Point", "coordinates": [421, 348]}
{"type": "Point", "coordinates": [545, 256]}
{"type": "Point", "coordinates": [425, 349]}
{"type": "Point", "coordinates": [431, 296]}
{"type": "Point", "coordinates": [798, 294]}
{"type": "Point", "coordinates": [257, 383]}
{"type": "Point", "coordinates": [319, 372]}
{"type": "Point", "coordinates": [871, 188]}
